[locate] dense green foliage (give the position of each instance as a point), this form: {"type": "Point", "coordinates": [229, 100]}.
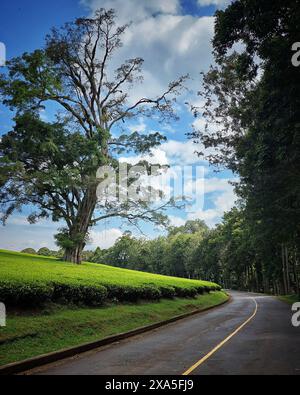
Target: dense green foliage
{"type": "Point", "coordinates": [177, 254]}
{"type": "Point", "coordinates": [225, 255]}
{"type": "Point", "coordinates": [29, 280]}
{"type": "Point", "coordinates": [252, 97]}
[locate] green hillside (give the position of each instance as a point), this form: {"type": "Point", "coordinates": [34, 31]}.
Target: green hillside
{"type": "Point", "coordinates": [31, 280]}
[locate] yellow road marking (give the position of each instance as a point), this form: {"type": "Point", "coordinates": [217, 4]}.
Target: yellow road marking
{"type": "Point", "coordinates": [200, 362]}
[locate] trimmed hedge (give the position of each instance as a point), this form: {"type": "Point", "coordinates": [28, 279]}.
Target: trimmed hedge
{"type": "Point", "coordinates": [129, 293]}
{"type": "Point", "coordinates": [79, 294]}
{"type": "Point", "coordinates": [167, 292]}
{"type": "Point", "coordinates": [31, 280]}
{"type": "Point", "coordinates": [18, 293]}
{"type": "Point", "coordinates": [186, 292]}
{"type": "Point", "coordinates": [28, 294]}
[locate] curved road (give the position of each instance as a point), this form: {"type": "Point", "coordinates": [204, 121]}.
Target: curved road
{"type": "Point", "coordinates": [205, 344]}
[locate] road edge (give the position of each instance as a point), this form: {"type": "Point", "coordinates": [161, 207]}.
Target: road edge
{"type": "Point", "coordinates": [35, 362]}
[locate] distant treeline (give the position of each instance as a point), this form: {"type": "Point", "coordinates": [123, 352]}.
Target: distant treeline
{"type": "Point", "coordinates": [231, 254]}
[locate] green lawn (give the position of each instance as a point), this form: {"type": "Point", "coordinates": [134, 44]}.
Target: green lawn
{"type": "Point", "coordinates": [29, 335]}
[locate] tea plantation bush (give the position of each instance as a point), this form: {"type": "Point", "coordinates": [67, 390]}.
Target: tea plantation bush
{"type": "Point", "coordinates": [30, 280]}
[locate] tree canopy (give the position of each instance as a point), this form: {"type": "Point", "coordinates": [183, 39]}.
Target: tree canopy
{"type": "Point", "coordinates": [252, 98]}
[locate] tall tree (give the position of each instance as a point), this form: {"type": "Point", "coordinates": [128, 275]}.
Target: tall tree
{"type": "Point", "coordinates": [53, 166]}
{"type": "Point", "coordinates": [252, 100]}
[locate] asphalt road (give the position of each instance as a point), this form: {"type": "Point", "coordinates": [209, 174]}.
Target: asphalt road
{"type": "Point", "coordinates": [266, 343]}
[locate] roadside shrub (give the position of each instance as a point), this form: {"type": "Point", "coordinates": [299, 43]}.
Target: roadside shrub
{"type": "Point", "coordinates": [35, 293]}
{"type": "Point", "coordinates": [26, 294]}
{"type": "Point", "coordinates": [79, 294]}
{"type": "Point", "coordinates": [30, 294]}
{"type": "Point", "coordinates": [151, 292]}
{"type": "Point", "coordinates": [200, 290]}
{"type": "Point", "coordinates": [116, 292]}
{"type": "Point", "coordinates": [190, 292]}
{"type": "Point", "coordinates": [132, 294]}
{"type": "Point", "coordinates": [212, 287]}
{"type": "Point", "coordinates": [167, 292]}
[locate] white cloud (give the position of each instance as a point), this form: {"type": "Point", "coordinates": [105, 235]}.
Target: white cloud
{"type": "Point", "coordinates": [172, 152]}
{"type": "Point", "coordinates": [218, 3]}
{"type": "Point", "coordinates": [211, 217]}
{"type": "Point", "coordinates": [105, 238]}
{"type": "Point", "coordinates": [222, 199]}
{"type": "Point", "coordinates": [223, 202]}
{"type": "Point", "coordinates": [171, 44]}
{"type": "Point", "coordinates": [217, 185]}
{"type": "Point", "coordinates": [181, 152]}
{"type": "Point", "coordinates": [18, 220]}
{"type": "Point", "coordinates": [44, 116]}
{"type": "Point", "coordinates": [182, 160]}
{"type": "Point", "coordinates": [135, 10]}
{"type": "Point", "coordinates": [140, 127]}
{"type": "Point", "coordinates": [168, 128]}
{"type": "Point", "coordinates": [176, 221]}
{"type": "Point", "coordinates": [157, 156]}
{"type": "Point", "coordinates": [199, 124]}
{"type": "Point", "coordinates": [21, 220]}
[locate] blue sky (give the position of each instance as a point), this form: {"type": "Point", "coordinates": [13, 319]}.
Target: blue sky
{"type": "Point", "coordinates": [173, 37]}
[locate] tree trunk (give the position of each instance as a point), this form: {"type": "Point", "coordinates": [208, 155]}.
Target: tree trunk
{"type": "Point", "coordinates": [79, 230]}
{"type": "Point", "coordinates": [73, 254]}
{"type": "Point", "coordinates": [287, 270]}
{"type": "Point", "coordinates": [284, 270]}
{"type": "Point", "coordinates": [296, 274]}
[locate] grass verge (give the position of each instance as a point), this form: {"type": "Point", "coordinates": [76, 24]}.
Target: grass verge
{"type": "Point", "coordinates": [290, 299]}
{"type": "Point", "coordinates": [32, 334]}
